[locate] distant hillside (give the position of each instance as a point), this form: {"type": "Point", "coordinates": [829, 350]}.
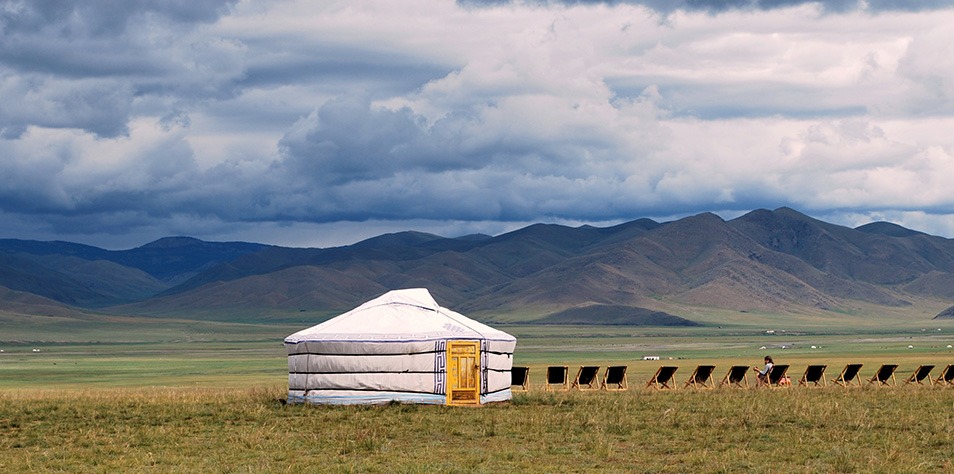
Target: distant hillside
{"type": "Point", "coordinates": [889, 229]}
{"type": "Point", "coordinates": [90, 277]}
{"type": "Point", "coordinates": [21, 303]}
{"type": "Point", "coordinates": [779, 261]}
{"type": "Point", "coordinates": [615, 315]}
{"type": "Point", "coordinates": [946, 314]}
{"type": "Point", "coordinates": [170, 259]}
{"type": "Point", "coordinates": [25, 273]}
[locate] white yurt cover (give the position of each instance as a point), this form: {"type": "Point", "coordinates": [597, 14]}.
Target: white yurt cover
{"type": "Point", "coordinates": [392, 348]}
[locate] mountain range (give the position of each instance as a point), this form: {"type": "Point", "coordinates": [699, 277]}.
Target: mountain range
{"type": "Point", "coordinates": [640, 272]}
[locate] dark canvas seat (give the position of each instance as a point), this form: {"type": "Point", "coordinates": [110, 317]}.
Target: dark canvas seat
{"type": "Point", "coordinates": [884, 375]}
{"type": "Point", "coordinates": [614, 378]}
{"type": "Point", "coordinates": [737, 376]}
{"type": "Point", "coordinates": [922, 373]}
{"type": "Point", "coordinates": [701, 377]}
{"type": "Point", "coordinates": [778, 376]}
{"type": "Point", "coordinates": [586, 378]}
{"type": "Point", "coordinates": [848, 375]}
{"type": "Point", "coordinates": [663, 378]}
{"type": "Point", "coordinates": [557, 378]}
{"type": "Point", "coordinates": [520, 377]}
{"type": "Point", "coordinates": [814, 375]}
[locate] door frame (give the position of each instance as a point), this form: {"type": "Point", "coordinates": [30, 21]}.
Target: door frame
{"type": "Point", "coordinates": [463, 364]}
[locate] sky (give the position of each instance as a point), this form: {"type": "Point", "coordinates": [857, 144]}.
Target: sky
{"type": "Point", "coordinates": [317, 124]}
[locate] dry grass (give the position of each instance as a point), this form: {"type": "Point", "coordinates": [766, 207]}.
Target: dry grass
{"type": "Point", "coordinates": [897, 429]}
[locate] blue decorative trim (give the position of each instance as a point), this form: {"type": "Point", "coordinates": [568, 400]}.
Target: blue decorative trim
{"type": "Point", "coordinates": [440, 367]}
{"type": "Point", "coordinates": [379, 398]}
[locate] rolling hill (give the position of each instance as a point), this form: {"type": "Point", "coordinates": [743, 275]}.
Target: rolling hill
{"type": "Point", "coordinates": [778, 262]}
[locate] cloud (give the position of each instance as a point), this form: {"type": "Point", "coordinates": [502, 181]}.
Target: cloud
{"type": "Point", "coordinates": [226, 117]}
{"type": "Point", "coordinates": [65, 172]}
{"type": "Point", "coordinates": [718, 6]}
{"type": "Point", "coordinates": [481, 161]}
{"type": "Point", "coordinates": [100, 106]}
{"type": "Point", "coordinates": [83, 65]}
{"type": "Point", "coordinates": [927, 68]}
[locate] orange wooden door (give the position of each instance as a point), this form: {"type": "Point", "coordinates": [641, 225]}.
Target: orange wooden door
{"type": "Point", "coordinates": [463, 373]}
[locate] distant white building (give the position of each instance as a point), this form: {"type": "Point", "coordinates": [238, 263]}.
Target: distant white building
{"type": "Point", "coordinates": [650, 357]}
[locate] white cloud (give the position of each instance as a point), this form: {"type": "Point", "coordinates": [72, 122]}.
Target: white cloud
{"type": "Point", "coordinates": [927, 65]}
{"type": "Point", "coordinates": [297, 115]}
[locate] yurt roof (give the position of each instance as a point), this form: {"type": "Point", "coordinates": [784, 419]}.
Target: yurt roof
{"type": "Point", "coordinates": [399, 315]}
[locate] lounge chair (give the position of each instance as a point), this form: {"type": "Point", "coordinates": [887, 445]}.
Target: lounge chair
{"type": "Point", "coordinates": [848, 375]}
{"type": "Point", "coordinates": [946, 377]}
{"type": "Point", "coordinates": [920, 374]}
{"type": "Point", "coordinates": [884, 375]}
{"type": "Point", "coordinates": [664, 377]}
{"type": "Point", "coordinates": [520, 377]}
{"type": "Point", "coordinates": [557, 378]}
{"type": "Point", "coordinates": [737, 376]}
{"type": "Point", "coordinates": [586, 377]}
{"type": "Point", "coordinates": [815, 375]}
{"type": "Point", "coordinates": [777, 377]}
{"type": "Point", "coordinates": [614, 378]}
{"type": "Point", "coordinates": [701, 377]}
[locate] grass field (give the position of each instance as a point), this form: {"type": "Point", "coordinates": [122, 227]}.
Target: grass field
{"type": "Point", "coordinates": [902, 429]}
{"type": "Point", "coordinates": [209, 401]}
{"type": "Point", "coordinates": [255, 355]}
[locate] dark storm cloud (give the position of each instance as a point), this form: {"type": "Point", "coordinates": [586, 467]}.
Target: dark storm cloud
{"type": "Point", "coordinates": [100, 106]}
{"type": "Point", "coordinates": [53, 175]}
{"type": "Point", "coordinates": [91, 38]}
{"type": "Point", "coordinates": [201, 118]}
{"type": "Point", "coordinates": [352, 161]}
{"type": "Point", "coordinates": [346, 140]}
{"type": "Point", "coordinates": [908, 5]}
{"type": "Point", "coordinates": [339, 68]}
{"type": "Point", "coordinates": [81, 64]}
{"type": "Point", "coordinates": [101, 17]}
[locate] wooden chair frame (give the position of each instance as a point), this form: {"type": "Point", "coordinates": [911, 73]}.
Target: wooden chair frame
{"type": "Point", "coordinates": [701, 377]}
{"type": "Point", "coordinates": [736, 376]}
{"type": "Point", "coordinates": [665, 375]}
{"type": "Point", "coordinates": [587, 377]}
{"type": "Point", "coordinates": [520, 377]}
{"type": "Point", "coordinates": [884, 375]}
{"type": "Point", "coordinates": [946, 377]}
{"type": "Point", "coordinates": [557, 376]}
{"type": "Point", "coordinates": [848, 375]}
{"type": "Point", "coordinates": [815, 375]}
{"type": "Point", "coordinates": [614, 378]}
{"type": "Point", "coordinates": [922, 373]}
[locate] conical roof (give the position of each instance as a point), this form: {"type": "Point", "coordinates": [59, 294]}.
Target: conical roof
{"type": "Point", "coordinates": [399, 315]}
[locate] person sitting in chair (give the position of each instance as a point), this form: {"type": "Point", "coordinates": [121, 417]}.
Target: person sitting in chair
{"type": "Point", "coordinates": [763, 374]}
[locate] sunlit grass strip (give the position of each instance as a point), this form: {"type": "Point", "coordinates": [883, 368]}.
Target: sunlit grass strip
{"type": "Point", "coordinates": [899, 429]}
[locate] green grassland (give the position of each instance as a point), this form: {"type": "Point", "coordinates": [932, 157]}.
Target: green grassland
{"type": "Point", "coordinates": [901, 429]}
{"type": "Point", "coordinates": [168, 395]}
{"type": "Point", "coordinates": [188, 354]}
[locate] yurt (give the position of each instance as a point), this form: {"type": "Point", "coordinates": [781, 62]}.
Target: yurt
{"type": "Point", "coordinates": [403, 347]}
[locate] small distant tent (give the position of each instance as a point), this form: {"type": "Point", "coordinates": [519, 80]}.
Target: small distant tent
{"type": "Point", "coordinates": [404, 347]}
